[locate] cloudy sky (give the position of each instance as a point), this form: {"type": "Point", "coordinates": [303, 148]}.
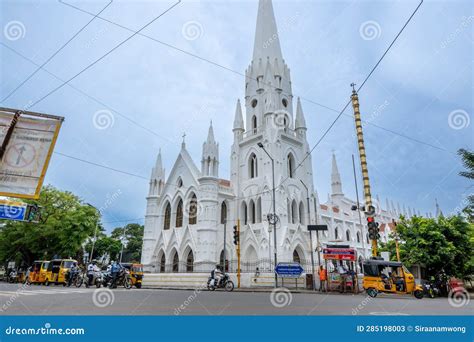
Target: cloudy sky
{"type": "Point", "coordinates": [186, 70]}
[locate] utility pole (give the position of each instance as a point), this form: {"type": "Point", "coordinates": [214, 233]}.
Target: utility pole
{"type": "Point", "coordinates": [396, 240]}
{"type": "Point", "coordinates": [310, 237]}
{"type": "Point", "coordinates": [95, 232]}
{"type": "Point", "coordinates": [238, 254]}
{"type": "Point", "coordinates": [358, 207]}
{"type": "Point", "coordinates": [225, 221]}
{"type": "Point", "coordinates": [369, 209]}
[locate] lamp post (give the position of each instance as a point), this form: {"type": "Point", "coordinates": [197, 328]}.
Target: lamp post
{"type": "Point", "coordinates": [274, 211]}
{"type": "Point", "coordinates": [95, 232]}
{"type": "Point", "coordinates": [310, 236]}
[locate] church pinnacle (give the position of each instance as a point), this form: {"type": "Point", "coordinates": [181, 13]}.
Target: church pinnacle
{"type": "Point", "coordinates": [267, 41]}
{"type": "Point", "coordinates": [336, 184]}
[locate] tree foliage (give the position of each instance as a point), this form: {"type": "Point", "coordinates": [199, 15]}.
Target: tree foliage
{"type": "Point", "coordinates": [437, 243]}
{"type": "Point", "coordinates": [65, 224]}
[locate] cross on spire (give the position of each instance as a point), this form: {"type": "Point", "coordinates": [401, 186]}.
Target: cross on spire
{"type": "Point", "coordinates": [183, 144]}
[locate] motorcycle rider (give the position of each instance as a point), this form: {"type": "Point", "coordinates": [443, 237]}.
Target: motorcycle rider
{"type": "Point", "coordinates": [92, 268]}
{"type": "Point", "coordinates": [216, 275]}
{"type": "Point", "coordinates": [116, 268]}
{"type": "Point", "coordinates": [72, 274]}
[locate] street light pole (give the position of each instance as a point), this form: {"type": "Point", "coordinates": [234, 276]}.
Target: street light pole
{"type": "Point", "coordinates": [310, 236]}
{"type": "Point", "coordinates": [274, 212]}
{"type": "Point", "coordinates": [95, 233]}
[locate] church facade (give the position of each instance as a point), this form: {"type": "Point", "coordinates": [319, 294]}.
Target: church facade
{"type": "Point", "coordinates": [192, 211]}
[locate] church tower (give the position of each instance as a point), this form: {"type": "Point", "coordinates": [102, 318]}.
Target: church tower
{"type": "Point", "coordinates": [152, 215]}
{"type": "Point", "coordinates": [271, 131]}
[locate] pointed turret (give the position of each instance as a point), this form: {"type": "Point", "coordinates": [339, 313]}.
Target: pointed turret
{"type": "Point", "coordinates": [300, 122]}
{"type": "Point", "coordinates": [238, 118]}
{"type": "Point", "coordinates": [210, 155]}
{"type": "Point", "coordinates": [267, 42]}
{"type": "Point", "coordinates": [336, 185]}
{"type": "Point", "coordinates": [157, 177]}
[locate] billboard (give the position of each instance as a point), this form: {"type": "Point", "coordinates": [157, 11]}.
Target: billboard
{"type": "Point", "coordinates": [28, 141]}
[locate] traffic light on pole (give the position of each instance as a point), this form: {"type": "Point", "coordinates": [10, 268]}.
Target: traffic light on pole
{"type": "Point", "coordinates": [373, 228]}
{"type": "Point", "coordinates": [236, 235]}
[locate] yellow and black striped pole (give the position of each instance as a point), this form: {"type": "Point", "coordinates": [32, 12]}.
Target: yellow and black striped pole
{"type": "Point", "coordinates": [363, 162]}
{"type": "Point", "coordinates": [238, 253]}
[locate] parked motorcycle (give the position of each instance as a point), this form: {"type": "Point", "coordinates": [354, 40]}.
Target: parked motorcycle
{"type": "Point", "coordinates": [123, 279]}
{"type": "Point", "coordinates": [224, 283]}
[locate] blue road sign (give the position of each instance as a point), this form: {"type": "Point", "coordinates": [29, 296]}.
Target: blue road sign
{"type": "Point", "coordinates": [13, 212]}
{"type": "Point", "coordinates": [289, 269]}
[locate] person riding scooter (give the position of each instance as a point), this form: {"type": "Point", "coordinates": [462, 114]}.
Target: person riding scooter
{"type": "Point", "coordinates": [216, 275]}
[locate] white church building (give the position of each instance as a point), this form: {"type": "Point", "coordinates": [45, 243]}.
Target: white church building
{"type": "Point", "coordinates": [188, 210]}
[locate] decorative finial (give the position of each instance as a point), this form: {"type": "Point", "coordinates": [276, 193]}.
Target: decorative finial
{"type": "Point", "coordinates": [353, 87]}
{"type": "Point", "coordinates": [183, 144]}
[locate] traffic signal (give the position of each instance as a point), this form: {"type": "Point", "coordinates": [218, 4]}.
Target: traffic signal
{"type": "Point", "coordinates": [236, 236]}
{"type": "Point", "coordinates": [373, 228]}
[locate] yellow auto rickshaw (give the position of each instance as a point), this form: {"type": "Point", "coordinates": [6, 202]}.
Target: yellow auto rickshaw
{"type": "Point", "coordinates": [34, 275]}
{"type": "Point", "coordinates": [136, 273]}
{"type": "Point", "coordinates": [57, 271]}
{"type": "Point", "coordinates": [43, 271]}
{"type": "Point", "coordinates": [389, 277]}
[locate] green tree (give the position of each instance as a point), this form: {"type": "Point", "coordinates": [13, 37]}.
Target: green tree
{"type": "Point", "coordinates": [133, 241]}
{"type": "Point", "coordinates": [105, 245]}
{"type": "Point", "coordinates": [65, 224]}
{"type": "Point", "coordinates": [467, 158]}
{"type": "Point", "coordinates": [437, 243]}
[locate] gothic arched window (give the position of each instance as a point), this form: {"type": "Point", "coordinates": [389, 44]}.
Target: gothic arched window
{"type": "Point", "coordinates": [301, 212]}
{"type": "Point", "coordinates": [193, 210]}
{"type": "Point", "coordinates": [336, 234]}
{"type": "Point", "coordinates": [348, 235]}
{"type": "Point", "coordinates": [254, 124]}
{"type": "Point", "coordinates": [294, 212]}
{"type": "Point", "coordinates": [167, 219]}
{"type": "Point", "coordinates": [358, 237]}
{"type": "Point", "coordinates": [253, 166]}
{"type": "Point", "coordinates": [291, 165]}
{"type": "Point", "coordinates": [259, 210]}
{"type": "Point", "coordinates": [244, 213]}
{"type": "Point", "coordinates": [223, 212]}
{"type": "Point", "coordinates": [179, 213]}
{"type": "Point", "coordinates": [252, 211]}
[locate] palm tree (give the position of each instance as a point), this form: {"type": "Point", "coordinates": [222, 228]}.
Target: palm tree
{"type": "Point", "coordinates": [467, 158]}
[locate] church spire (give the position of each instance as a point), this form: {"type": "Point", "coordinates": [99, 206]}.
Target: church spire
{"type": "Point", "coordinates": [210, 155]}
{"type": "Point", "coordinates": [336, 185]}
{"type": "Point", "coordinates": [238, 119]}
{"type": "Point", "coordinates": [210, 135]}
{"type": "Point", "coordinates": [267, 41]}
{"type": "Point", "coordinates": [300, 122]}
{"type": "Point", "coordinates": [157, 177]}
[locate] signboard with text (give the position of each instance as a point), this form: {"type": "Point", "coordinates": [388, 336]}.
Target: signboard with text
{"type": "Point", "coordinates": [339, 254]}
{"type": "Point", "coordinates": [27, 153]}
{"type": "Point", "coordinates": [289, 269]}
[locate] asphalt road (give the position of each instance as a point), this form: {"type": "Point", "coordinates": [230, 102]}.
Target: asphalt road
{"type": "Point", "coordinates": [58, 300]}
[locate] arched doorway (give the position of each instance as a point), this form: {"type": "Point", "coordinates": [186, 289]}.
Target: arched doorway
{"type": "Point", "coordinates": [175, 265]}
{"type": "Point", "coordinates": [296, 257]}
{"type": "Point", "coordinates": [162, 263]}
{"type": "Point", "coordinates": [190, 262]}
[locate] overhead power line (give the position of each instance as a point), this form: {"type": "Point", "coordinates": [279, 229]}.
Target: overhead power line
{"type": "Point", "coordinates": [105, 55]}
{"type": "Point", "coordinates": [360, 87]}
{"type": "Point", "coordinates": [54, 54]}
{"type": "Point", "coordinates": [193, 55]}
